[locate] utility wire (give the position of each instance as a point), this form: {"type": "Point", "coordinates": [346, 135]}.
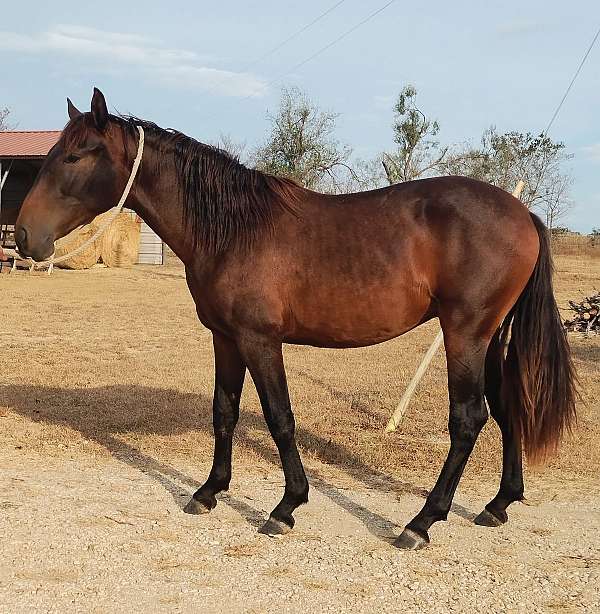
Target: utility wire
{"type": "Point", "coordinates": [291, 37]}
{"type": "Point", "coordinates": [331, 44]}
{"type": "Point", "coordinates": [559, 107]}
{"type": "Point", "coordinates": [322, 49]}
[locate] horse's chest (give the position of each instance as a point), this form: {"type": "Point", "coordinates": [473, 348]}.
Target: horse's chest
{"type": "Point", "coordinates": [231, 305]}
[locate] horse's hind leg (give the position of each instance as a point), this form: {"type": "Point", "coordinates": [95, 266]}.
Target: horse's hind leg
{"type": "Point", "coordinates": [229, 380]}
{"type": "Point", "coordinates": [511, 483]}
{"type": "Point", "coordinates": [465, 355]}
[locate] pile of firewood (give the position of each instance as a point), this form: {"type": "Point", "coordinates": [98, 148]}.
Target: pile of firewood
{"type": "Point", "coordinates": [587, 315]}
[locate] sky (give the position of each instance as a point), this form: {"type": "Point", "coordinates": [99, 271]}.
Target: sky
{"type": "Point", "coordinates": [193, 66]}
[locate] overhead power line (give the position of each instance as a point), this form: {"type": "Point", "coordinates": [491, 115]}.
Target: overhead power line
{"type": "Point", "coordinates": [270, 52]}
{"type": "Point", "coordinates": [560, 104]}
{"type": "Point", "coordinates": [332, 43]}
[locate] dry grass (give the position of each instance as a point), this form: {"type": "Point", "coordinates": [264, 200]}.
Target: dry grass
{"type": "Point", "coordinates": [112, 361]}
{"type": "Point", "coordinates": [576, 245]}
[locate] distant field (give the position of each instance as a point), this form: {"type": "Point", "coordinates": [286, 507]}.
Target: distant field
{"type": "Point", "coordinates": [576, 245]}
{"type": "Point", "coordinates": [113, 361]}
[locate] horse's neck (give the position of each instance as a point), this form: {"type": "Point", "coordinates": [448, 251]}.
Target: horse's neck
{"type": "Point", "coordinates": [157, 201]}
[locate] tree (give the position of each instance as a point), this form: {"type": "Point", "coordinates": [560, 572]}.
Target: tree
{"type": "Point", "coordinates": [229, 145]}
{"type": "Point", "coordinates": [363, 175]}
{"type": "Point", "coordinates": [418, 152]}
{"type": "Point", "coordinates": [504, 159]}
{"type": "Point", "coordinates": [4, 113]}
{"type": "Point", "coordinates": [301, 145]}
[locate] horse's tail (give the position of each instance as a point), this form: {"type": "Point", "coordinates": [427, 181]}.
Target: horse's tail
{"type": "Point", "coordinates": [539, 384]}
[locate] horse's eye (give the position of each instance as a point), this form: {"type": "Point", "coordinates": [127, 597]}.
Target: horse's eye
{"type": "Point", "coordinates": [71, 159]}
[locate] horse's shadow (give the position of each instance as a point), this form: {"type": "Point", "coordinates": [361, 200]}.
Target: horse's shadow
{"type": "Point", "coordinates": [102, 414]}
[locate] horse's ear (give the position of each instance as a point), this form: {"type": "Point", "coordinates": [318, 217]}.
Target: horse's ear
{"type": "Point", "coordinates": [72, 110]}
{"type": "Point", "coordinates": [99, 109]}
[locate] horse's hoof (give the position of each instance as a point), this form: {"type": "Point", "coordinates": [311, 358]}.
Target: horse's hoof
{"type": "Point", "coordinates": [411, 540]}
{"type": "Point", "coordinates": [196, 507]}
{"type": "Point", "coordinates": [487, 519]}
{"type": "Point", "coordinates": [274, 527]}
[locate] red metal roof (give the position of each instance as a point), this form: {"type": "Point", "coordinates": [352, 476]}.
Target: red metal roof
{"type": "Point", "coordinates": [27, 144]}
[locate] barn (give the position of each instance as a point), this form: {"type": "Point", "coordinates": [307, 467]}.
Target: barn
{"type": "Point", "coordinates": [21, 156]}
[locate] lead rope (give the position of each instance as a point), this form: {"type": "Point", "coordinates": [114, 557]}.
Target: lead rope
{"type": "Point", "coordinates": [50, 262]}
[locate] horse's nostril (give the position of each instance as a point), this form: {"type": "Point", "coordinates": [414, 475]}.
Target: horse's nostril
{"type": "Point", "coordinates": [21, 237]}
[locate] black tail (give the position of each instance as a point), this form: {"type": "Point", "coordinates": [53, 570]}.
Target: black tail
{"type": "Point", "coordinates": [538, 381]}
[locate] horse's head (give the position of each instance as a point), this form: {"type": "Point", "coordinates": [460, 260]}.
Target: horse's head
{"type": "Point", "coordinates": [83, 175]}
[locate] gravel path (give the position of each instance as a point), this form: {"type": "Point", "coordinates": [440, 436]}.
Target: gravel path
{"type": "Point", "coordinates": [84, 536]}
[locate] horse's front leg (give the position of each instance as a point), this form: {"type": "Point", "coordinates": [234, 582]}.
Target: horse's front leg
{"type": "Point", "coordinates": [229, 380]}
{"type": "Point", "coordinates": [265, 362]}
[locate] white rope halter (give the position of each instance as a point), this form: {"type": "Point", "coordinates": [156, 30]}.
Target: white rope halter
{"type": "Point", "coordinates": [117, 209]}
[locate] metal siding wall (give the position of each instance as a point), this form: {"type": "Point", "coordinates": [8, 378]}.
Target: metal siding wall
{"type": "Point", "coordinates": [151, 246]}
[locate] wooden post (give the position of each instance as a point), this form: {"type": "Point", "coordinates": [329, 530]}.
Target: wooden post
{"type": "Point", "coordinates": [401, 408]}
{"type": "Point", "coordinates": [518, 188]}
{"type": "Point", "coordinates": [394, 421]}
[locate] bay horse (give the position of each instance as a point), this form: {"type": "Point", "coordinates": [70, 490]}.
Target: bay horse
{"type": "Point", "coordinates": [269, 262]}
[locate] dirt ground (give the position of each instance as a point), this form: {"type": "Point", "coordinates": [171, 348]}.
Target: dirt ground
{"type": "Point", "coordinates": [105, 432]}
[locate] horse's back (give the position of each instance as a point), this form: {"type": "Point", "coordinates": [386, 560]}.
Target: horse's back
{"type": "Point", "coordinates": [359, 269]}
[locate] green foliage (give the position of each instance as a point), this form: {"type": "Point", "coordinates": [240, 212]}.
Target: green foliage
{"type": "Point", "coordinates": [418, 152]}
{"type": "Point", "coordinates": [504, 159]}
{"type": "Point", "coordinates": [301, 145]}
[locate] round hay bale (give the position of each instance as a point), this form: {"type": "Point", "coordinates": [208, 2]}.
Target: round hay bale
{"type": "Point", "coordinates": [120, 244]}
{"type": "Point", "coordinates": [85, 259]}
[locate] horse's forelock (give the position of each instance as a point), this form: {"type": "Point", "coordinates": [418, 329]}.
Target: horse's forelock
{"type": "Point", "coordinates": [76, 132]}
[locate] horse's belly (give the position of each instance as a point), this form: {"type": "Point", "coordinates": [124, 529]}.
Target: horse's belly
{"type": "Point", "coordinates": [343, 339]}
{"type": "Point", "coordinates": [356, 323]}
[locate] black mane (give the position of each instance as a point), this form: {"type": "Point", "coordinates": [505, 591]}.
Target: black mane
{"type": "Point", "coordinates": [225, 204]}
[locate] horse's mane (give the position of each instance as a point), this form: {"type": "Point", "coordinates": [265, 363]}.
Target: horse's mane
{"type": "Point", "coordinates": [225, 204]}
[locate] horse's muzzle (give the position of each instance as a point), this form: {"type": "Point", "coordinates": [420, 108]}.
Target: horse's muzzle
{"type": "Point", "coordinates": [31, 247]}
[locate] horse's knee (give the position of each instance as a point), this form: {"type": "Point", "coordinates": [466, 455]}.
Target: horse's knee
{"type": "Point", "coordinates": [225, 417]}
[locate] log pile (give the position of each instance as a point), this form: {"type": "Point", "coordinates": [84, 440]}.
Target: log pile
{"type": "Point", "coordinates": [586, 315]}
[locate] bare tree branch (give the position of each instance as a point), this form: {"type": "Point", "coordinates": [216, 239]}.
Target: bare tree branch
{"type": "Point", "coordinates": [4, 113]}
